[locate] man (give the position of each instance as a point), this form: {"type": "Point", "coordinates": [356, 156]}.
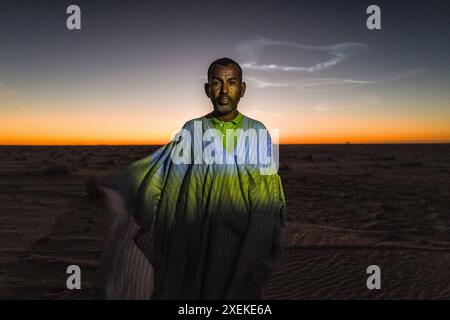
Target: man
{"type": "Point", "coordinates": [192, 225]}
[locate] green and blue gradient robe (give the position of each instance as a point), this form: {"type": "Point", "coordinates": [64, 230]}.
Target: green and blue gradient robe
{"type": "Point", "coordinates": [195, 231]}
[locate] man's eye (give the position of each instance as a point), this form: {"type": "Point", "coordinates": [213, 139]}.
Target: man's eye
{"type": "Point", "coordinates": [215, 83]}
{"type": "Point", "coordinates": [233, 82]}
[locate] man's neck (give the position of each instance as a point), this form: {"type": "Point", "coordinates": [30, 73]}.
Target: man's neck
{"type": "Point", "coordinates": [226, 117]}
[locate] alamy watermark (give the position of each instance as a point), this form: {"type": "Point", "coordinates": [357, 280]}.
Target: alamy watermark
{"type": "Point", "coordinates": [74, 279]}
{"type": "Point", "coordinates": [242, 146]}
{"type": "Point", "coordinates": [374, 280]}
{"type": "Point", "coordinates": [373, 22]}
{"type": "Point", "coordinates": [73, 21]}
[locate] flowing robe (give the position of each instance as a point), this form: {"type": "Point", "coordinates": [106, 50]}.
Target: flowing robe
{"type": "Point", "coordinates": [195, 230]}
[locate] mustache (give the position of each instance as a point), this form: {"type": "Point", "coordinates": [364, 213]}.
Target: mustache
{"type": "Point", "coordinates": [224, 96]}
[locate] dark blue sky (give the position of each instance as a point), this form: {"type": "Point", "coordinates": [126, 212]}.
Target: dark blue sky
{"type": "Point", "coordinates": [149, 58]}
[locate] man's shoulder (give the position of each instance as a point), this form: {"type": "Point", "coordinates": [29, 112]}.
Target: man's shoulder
{"type": "Point", "coordinates": [253, 123]}
{"type": "Point", "coordinates": [190, 124]}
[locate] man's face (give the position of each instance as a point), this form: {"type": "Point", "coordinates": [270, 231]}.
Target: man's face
{"type": "Point", "coordinates": [225, 88]}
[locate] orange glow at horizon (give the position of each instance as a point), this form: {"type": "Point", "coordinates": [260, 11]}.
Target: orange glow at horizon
{"type": "Point", "coordinates": [164, 138]}
{"type": "Point", "coordinates": [157, 128]}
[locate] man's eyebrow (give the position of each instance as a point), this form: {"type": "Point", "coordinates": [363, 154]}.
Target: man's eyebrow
{"type": "Point", "coordinates": [229, 79]}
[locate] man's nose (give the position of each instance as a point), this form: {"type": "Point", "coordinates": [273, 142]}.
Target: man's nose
{"type": "Point", "coordinates": [224, 88]}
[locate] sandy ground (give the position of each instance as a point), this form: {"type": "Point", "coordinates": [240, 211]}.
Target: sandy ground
{"type": "Point", "coordinates": [348, 207]}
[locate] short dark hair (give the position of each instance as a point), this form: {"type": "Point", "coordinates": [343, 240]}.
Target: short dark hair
{"type": "Point", "coordinates": [224, 62]}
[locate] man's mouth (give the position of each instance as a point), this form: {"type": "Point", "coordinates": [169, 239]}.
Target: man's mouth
{"type": "Point", "coordinates": [224, 99]}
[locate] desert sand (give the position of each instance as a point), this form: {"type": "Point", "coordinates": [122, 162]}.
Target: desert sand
{"type": "Point", "coordinates": [348, 206]}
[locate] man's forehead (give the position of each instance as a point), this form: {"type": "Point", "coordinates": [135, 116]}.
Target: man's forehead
{"type": "Point", "coordinates": [228, 71]}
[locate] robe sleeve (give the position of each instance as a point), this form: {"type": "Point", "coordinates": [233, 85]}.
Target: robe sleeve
{"type": "Point", "coordinates": [126, 270]}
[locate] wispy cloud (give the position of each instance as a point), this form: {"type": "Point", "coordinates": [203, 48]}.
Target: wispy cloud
{"type": "Point", "coordinates": [404, 74]}
{"type": "Point", "coordinates": [252, 50]}
{"type": "Point", "coordinates": [307, 83]}
{"type": "Point", "coordinates": [317, 84]}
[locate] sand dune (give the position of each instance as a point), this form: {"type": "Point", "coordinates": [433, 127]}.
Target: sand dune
{"type": "Point", "coordinates": [348, 206]}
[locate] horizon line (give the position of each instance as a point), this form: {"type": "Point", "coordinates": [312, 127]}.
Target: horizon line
{"type": "Point", "coordinates": [158, 145]}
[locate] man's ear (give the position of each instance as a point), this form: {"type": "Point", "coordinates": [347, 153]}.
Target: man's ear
{"type": "Point", "coordinates": [243, 87]}
{"type": "Point", "coordinates": [207, 89]}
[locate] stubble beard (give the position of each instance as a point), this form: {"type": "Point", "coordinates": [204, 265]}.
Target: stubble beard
{"type": "Point", "coordinates": [224, 109]}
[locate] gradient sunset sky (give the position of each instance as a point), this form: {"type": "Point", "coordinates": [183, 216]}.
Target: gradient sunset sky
{"type": "Point", "coordinates": [134, 74]}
